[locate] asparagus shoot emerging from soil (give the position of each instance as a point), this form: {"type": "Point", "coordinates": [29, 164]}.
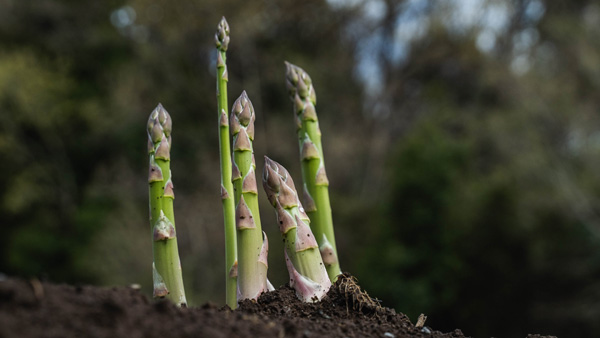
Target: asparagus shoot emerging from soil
{"type": "Point", "coordinates": [222, 42]}
{"type": "Point", "coordinates": [166, 268]}
{"type": "Point", "coordinates": [305, 265]}
{"type": "Point", "coordinates": [251, 241]}
{"type": "Point", "coordinates": [315, 182]}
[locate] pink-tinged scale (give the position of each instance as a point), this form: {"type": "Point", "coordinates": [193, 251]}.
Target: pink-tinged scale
{"type": "Point", "coordinates": [284, 219]}
{"type": "Point", "coordinates": [304, 237]}
{"type": "Point", "coordinates": [308, 202]}
{"type": "Point", "coordinates": [162, 152]}
{"type": "Point", "coordinates": [242, 141]}
{"type": "Point", "coordinates": [321, 178]}
{"type": "Point", "coordinates": [243, 216]}
{"type": "Point", "coordinates": [249, 183]}
{"type": "Point", "coordinates": [169, 190]}
{"type": "Point", "coordinates": [264, 251]}
{"type": "Point", "coordinates": [309, 150]}
{"type": "Point", "coordinates": [307, 290]}
{"type": "Point", "coordinates": [154, 173]}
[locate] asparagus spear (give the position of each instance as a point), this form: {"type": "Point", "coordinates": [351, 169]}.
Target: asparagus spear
{"type": "Point", "coordinates": [305, 265]}
{"type": "Point", "coordinates": [222, 42]}
{"type": "Point", "coordinates": [315, 182]}
{"type": "Point", "coordinates": [251, 241]}
{"type": "Point", "coordinates": [166, 268]}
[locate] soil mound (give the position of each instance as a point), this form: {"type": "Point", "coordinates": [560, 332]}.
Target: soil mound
{"type": "Point", "coordinates": [35, 309]}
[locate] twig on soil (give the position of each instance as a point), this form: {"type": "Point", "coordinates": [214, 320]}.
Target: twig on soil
{"type": "Point", "coordinates": [421, 321]}
{"type": "Point", "coordinates": [38, 288]}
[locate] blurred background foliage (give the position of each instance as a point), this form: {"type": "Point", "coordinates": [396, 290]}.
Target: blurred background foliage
{"type": "Point", "coordinates": [462, 143]}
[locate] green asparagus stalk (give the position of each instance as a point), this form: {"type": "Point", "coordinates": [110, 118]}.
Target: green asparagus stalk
{"type": "Point", "coordinates": [222, 42]}
{"type": "Point", "coordinates": [308, 275]}
{"type": "Point", "coordinates": [315, 182]}
{"type": "Point", "coordinates": [166, 268]}
{"type": "Point", "coordinates": [251, 241]}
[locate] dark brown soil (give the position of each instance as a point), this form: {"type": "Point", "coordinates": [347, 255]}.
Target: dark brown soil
{"type": "Point", "coordinates": [34, 309]}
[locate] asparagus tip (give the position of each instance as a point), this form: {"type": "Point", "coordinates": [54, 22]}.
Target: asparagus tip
{"type": "Point", "coordinates": [279, 185]}
{"type": "Point", "coordinates": [159, 124]}
{"type": "Point", "coordinates": [271, 181]}
{"type": "Point", "coordinates": [222, 35]}
{"type": "Point", "coordinates": [242, 113]}
{"type": "Point", "coordinates": [299, 82]}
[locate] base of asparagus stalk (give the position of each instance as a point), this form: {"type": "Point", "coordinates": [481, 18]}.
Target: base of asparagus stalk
{"type": "Point", "coordinates": [302, 257]}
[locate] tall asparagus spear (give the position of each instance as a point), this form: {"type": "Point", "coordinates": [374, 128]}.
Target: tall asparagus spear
{"type": "Point", "coordinates": [315, 182]}
{"type": "Point", "coordinates": [305, 265]}
{"type": "Point", "coordinates": [166, 268]}
{"type": "Point", "coordinates": [251, 240]}
{"type": "Point", "coordinates": [222, 42]}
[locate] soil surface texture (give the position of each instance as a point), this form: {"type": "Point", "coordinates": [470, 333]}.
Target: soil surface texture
{"type": "Point", "coordinates": [35, 309]}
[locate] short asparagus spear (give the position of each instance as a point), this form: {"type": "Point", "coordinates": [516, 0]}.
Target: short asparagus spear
{"type": "Point", "coordinates": [222, 42]}
{"type": "Point", "coordinates": [315, 182]}
{"type": "Point", "coordinates": [251, 241]}
{"type": "Point", "coordinates": [305, 265]}
{"type": "Point", "coordinates": [168, 281]}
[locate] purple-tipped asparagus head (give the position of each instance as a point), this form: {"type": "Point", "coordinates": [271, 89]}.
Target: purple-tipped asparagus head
{"type": "Point", "coordinates": [222, 35]}
{"type": "Point", "coordinates": [242, 117]}
{"type": "Point", "coordinates": [278, 185]}
{"type": "Point", "coordinates": [159, 131]}
{"type": "Point", "coordinates": [299, 85]}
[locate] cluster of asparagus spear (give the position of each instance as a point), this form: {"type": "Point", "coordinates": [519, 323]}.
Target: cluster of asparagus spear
{"type": "Point", "coordinates": [306, 226]}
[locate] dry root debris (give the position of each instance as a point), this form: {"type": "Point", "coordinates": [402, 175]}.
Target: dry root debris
{"type": "Point", "coordinates": [356, 298]}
